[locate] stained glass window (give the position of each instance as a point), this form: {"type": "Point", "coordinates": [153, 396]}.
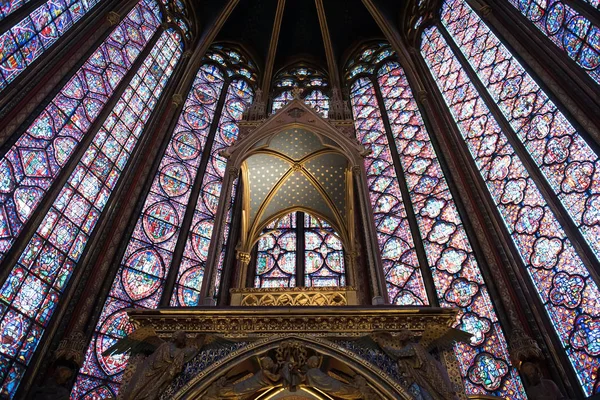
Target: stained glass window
{"type": "Point", "coordinates": [149, 255]}
{"type": "Point", "coordinates": [564, 285]}
{"type": "Point", "coordinates": [401, 267]}
{"type": "Point", "coordinates": [34, 287]}
{"type": "Point", "coordinates": [239, 96]}
{"type": "Point", "coordinates": [7, 7]}
{"type": "Point", "coordinates": [566, 28]}
{"type": "Point", "coordinates": [311, 83]}
{"type": "Point", "coordinates": [278, 261]}
{"type": "Point", "coordinates": [29, 38]}
{"type": "Point", "coordinates": [276, 254]}
{"type": "Point", "coordinates": [568, 163]}
{"type": "Point", "coordinates": [319, 101]}
{"type": "Point", "coordinates": [147, 259]}
{"type": "Point", "coordinates": [32, 164]}
{"type": "Point", "coordinates": [281, 100]}
{"type": "Point", "coordinates": [485, 364]}
{"type": "Point", "coordinates": [323, 254]}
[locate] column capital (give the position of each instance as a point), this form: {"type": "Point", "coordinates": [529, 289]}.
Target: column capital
{"type": "Point", "coordinates": [177, 99]}
{"type": "Point", "coordinates": [485, 11]}
{"type": "Point", "coordinates": [244, 257]}
{"type": "Point", "coordinates": [113, 18]}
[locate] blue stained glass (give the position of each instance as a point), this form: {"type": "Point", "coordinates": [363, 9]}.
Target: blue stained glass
{"type": "Point", "coordinates": [276, 254]}
{"type": "Point", "coordinates": [7, 7]}
{"type": "Point", "coordinates": [28, 39]}
{"type": "Point", "coordinates": [311, 83]}
{"type": "Point", "coordinates": [45, 266]}
{"type": "Point", "coordinates": [567, 29]}
{"type": "Point", "coordinates": [568, 163]}
{"type": "Point", "coordinates": [35, 160]}
{"type": "Point", "coordinates": [401, 267]}
{"type": "Point", "coordinates": [324, 264]}
{"type": "Point", "coordinates": [455, 271]}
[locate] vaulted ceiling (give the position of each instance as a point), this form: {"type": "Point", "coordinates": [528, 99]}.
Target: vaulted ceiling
{"type": "Point", "coordinates": [298, 168]}
{"type": "Point", "coordinates": [301, 36]}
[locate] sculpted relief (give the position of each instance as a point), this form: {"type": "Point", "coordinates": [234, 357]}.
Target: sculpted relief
{"type": "Point", "coordinates": [292, 369]}
{"type": "Point", "coordinates": [249, 354]}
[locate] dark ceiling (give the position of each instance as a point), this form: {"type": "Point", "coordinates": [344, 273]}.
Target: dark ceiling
{"type": "Point", "coordinates": [251, 24]}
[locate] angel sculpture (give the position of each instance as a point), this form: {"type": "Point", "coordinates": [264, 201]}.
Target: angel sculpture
{"type": "Point", "coordinates": [322, 381]}
{"type": "Point", "coordinates": [223, 389]}
{"type": "Point", "coordinates": [415, 359]}
{"type": "Point", "coordinates": [157, 362]}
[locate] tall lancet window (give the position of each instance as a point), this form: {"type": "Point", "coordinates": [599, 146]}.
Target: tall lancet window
{"type": "Point", "coordinates": [36, 283]}
{"type": "Point", "coordinates": [32, 164]}
{"type": "Point", "coordinates": [420, 231]}
{"type": "Point", "coordinates": [31, 36]}
{"type": "Point", "coordinates": [523, 146]}
{"type": "Point", "coordinates": [187, 183]}
{"type": "Point", "coordinates": [310, 83]}
{"type": "Point", "coordinates": [571, 31]}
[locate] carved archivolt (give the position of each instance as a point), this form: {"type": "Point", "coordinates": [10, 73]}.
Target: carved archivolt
{"type": "Point", "coordinates": [376, 379]}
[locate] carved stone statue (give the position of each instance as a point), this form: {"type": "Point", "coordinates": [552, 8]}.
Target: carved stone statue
{"type": "Point", "coordinates": [417, 363]}
{"type": "Point", "coordinates": [320, 380]}
{"type": "Point", "coordinates": [222, 389]}
{"type": "Point", "coordinates": [157, 371]}
{"type": "Point", "coordinates": [300, 371]}
{"type": "Point", "coordinates": [55, 387]}
{"type": "Point", "coordinates": [537, 387]}
{"type": "Point", "coordinates": [154, 363]}
{"type": "Point", "coordinates": [291, 358]}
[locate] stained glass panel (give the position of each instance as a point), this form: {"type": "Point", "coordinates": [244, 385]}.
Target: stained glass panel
{"type": "Point", "coordinates": [36, 283]}
{"type": "Point", "coordinates": [566, 160]}
{"type": "Point", "coordinates": [310, 82]}
{"type": "Point", "coordinates": [189, 280]}
{"type": "Point", "coordinates": [566, 28]}
{"type": "Point", "coordinates": [31, 165]}
{"type": "Point", "coordinates": [455, 271]}
{"type": "Point", "coordinates": [319, 101]}
{"type": "Point", "coordinates": [140, 279]}
{"type": "Point", "coordinates": [323, 254]}
{"type": "Point", "coordinates": [7, 7]}
{"type": "Point", "coordinates": [400, 263]}
{"type": "Point", "coordinates": [29, 38]}
{"type": "Point", "coordinates": [281, 100]}
{"type": "Point", "coordinates": [566, 289]}
{"type": "Point", "coordinates": [276, 254]}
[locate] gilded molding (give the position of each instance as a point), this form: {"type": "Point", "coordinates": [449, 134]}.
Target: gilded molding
{"type": "Point", "coordinates": [314, 321]}
{"type": "Point", "coordinates": [298, 296]}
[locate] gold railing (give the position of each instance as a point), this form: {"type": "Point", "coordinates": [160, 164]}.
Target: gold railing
{"type": "Point", "coordinates": [290, 297]}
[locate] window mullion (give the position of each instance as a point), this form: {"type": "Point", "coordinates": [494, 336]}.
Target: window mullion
{"type": "Point", "coordinates": [300, 245]}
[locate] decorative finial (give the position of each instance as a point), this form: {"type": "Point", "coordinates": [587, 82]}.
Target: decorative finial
{"type": "Point", "coordinates": [296, 92]}
{"type": "Point", "coordinates": [338, 108]}
{"type": "Point", "coordinates": [256, 111]}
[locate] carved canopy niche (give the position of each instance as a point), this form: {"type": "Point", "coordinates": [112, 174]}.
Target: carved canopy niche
{"type": "Point", "coordinates": [296, 160]}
